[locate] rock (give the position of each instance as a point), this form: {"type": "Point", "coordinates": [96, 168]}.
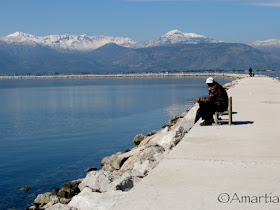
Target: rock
{"type": "Point", "coordinates": [127, 150]}
{"type": "Point", "coordinates": [92, 169]}
{"type": "Point", "coordinates": [165, 125]}
{"type": "Point", "coordinates": [168, 137]}
{"type": "Point", "coordinates": [104, 181]}
{"type": "Point", "coordinates": [138, 139]}
{"type": "Point", "coordinates": [125, 184]}
{"type": "Point", "coordinates": [50, 204]}
{"type": "Point", "coordinates": [152, 133]}
{"type": "Point", "coordinates": [136, 173]}
{"type": "Point", "coordinates": [145, 141]}
{"type": "Point", "coordinates": [158, 137]}
{"type": "Point", "coordinates": [183, 114]}
{"type": "Point", "coordinates": [60, 206]}
{"type": "Point", "coordinates": [145, 166]}
{"type": "Point", "coordinates": [127, 181]}
{"type": "Point", "coordinates": [174, 120]}
{"type": "Point", "coordinates": [129, 164]}
{"type": "Point", "coordinates": [63, 194]}
{"type": "Point", "coordinates": [124, 157]}
{"type": "Point", "coordinates": [99, 181]}
{"type": "Point", "coordinates": [114, 162]}
{"type": "Point", "coordinates": [32, 207]}
{"type": "Point", "coordinates": [44, 199]}
{"type": "Point", "coordinates": [111, 161]}
{"type": "Point", "coordinates": [88, 200]}
{"type": "Point", "coordinates": [108, 167]}
{"type": "Point", "coordinates": [64, 200]}
{"type": "Point", "coordinates": [55, 191]}
{"type": "Point", "coordinates": [47, 199]}
{"type": "Point", "coordinates": [26, 188]}
{"type": "Point", "coordinates": [180, 133]}
{"type": "Point", "coordinates": [147, 153]}
{"type": "Point", "coordinates": [227, 86]}
{"type": "Point", "coordinates": [70, 189]}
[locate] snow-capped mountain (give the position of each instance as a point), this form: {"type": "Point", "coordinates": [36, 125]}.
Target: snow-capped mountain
{"type": "Point", "coordinates": [88, 43]}
{"type": "Point", "coordinates": [270, 45]}
{"type": "Point", "coordinates": [176, 37]}
{"type": "Point", "coordinates": [266, 43]}
{"type": "Point", "coordinates": [67, 42]}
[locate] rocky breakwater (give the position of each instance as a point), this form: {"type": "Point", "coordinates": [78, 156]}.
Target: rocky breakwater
{"type": "Point", "coordinates": [120, 172]}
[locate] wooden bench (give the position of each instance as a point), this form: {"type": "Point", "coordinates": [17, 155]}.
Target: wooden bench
{"type": "Point", "coordinates": [229, 112]}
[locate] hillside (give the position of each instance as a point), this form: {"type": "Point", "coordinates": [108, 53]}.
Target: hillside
{"type": "Point", "coordinates": [223, 56]}
{"type": "Point", "coordinates": [111, 58]}
{"type": "Point", "coordinates": [270, 45]}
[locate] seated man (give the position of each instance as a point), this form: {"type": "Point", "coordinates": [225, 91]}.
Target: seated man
{"type": "Point", "coordinates": [216, 101]}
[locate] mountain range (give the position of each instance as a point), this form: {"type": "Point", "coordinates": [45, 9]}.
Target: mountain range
{"type": "Point", "coordinates": [88, 43]}
{"type": "Point", "coordinates": [22, 53]}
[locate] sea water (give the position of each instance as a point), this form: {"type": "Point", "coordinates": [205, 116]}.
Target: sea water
{"type": "Point", "coordinates": [53, 130]}
{"type": "Point", "coordinates": [275, 74]}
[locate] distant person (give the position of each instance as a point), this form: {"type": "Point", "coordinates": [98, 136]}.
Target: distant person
{"type": "Point", "coordinates": [251, 73]}
{"type": "Point", "coordinates": [216, 101]}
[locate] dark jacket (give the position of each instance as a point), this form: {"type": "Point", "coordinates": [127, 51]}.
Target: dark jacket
{"type": "Point", "coordinates": [217, 96]}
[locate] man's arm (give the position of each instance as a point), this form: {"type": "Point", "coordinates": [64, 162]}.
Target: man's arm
{"type": "Point", "coordinates": [212, 95]}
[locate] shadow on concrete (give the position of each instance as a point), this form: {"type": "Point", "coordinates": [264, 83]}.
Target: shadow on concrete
{"type": "Point", "coordinates": [238, 123]}
{"type": "Point", "coordinates": [227, 113]}
{"type": "Point", "coordinates": [242, 122]}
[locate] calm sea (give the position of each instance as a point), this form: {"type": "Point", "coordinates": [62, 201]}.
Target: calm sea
{"type": "Point", "coordinates": [270, 73]}
{"type": "Point", "coordinates": [53, 130]}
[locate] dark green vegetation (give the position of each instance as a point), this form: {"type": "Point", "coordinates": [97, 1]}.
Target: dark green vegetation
{"type": "Point", "coordinates": [111, 58]}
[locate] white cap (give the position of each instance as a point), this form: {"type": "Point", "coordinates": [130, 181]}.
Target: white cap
{"type": "Point", "coordinates": [209, 80]}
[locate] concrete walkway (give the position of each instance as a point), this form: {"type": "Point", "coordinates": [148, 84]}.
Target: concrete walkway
{"type": "Point", "coordinates": [222, 167]}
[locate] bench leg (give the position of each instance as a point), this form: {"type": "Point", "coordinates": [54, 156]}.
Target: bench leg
{"type": "Point", "coordinates": [230, 111]}
{"type": "Point", "coordinates": [230, 117]}
{"type": "Point", "coordinates": [216, 118]}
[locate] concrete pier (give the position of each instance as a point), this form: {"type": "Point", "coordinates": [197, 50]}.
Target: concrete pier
{"type": "Point", "coordinates": [222, 167]}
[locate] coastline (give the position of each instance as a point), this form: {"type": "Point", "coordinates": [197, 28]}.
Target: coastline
{"type": "Point", "coordinates": [229, 75]}
{"type": "Point", "coordinates": [122, 171]}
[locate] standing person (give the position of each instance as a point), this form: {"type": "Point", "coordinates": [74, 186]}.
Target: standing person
{"type": "Point", "coordinates": [250, 72]}
{"type": "Point", "coordinates": [216, 101]}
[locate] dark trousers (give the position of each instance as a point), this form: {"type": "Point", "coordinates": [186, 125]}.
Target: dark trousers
{"type": "Point", "coordinates": [206, 111]}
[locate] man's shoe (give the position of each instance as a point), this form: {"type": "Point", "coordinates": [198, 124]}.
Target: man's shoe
{"type": "Point", "coordinates": [206, 123]}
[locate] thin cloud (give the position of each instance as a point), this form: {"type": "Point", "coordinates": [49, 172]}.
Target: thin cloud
{"type": "Point", "coordinates": [159, 0]}
{"type": "Point", "coordinates": [267, 4]}
{"type": "Point", "coordinates": [262, 3]}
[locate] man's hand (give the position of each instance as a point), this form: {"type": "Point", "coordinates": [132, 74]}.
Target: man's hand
{"type": "Point", "coordinates": [197, 99]}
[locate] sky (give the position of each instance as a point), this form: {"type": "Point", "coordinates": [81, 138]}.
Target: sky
{"type": "Point", "coordinates": [242, 21]}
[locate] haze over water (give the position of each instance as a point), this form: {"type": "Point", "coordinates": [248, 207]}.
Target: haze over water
{"type": "Point", "coordinates": [52, 130]}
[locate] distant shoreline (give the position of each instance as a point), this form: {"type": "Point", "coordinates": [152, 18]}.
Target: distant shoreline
{"type": "Point", "coordinates": [231, 75]}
